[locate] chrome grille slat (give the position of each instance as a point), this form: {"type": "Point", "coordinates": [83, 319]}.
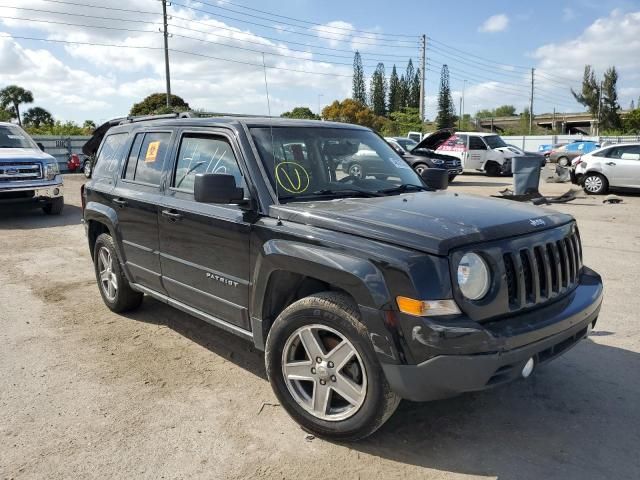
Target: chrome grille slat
{"type": "Point", "coordinates": [17, 171]}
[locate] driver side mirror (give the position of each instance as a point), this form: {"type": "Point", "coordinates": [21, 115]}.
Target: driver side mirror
{"type": "Point", "coordinates": [40, 146]}
{"type": "Point", "coordinates": [435, 178]}
{"type": "Point", "coordinates": [217, 188]}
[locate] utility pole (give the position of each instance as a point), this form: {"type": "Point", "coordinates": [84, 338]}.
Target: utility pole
{"type": "Point", "coordinates": [460, 119]}
{"type": "Point", "coordinates": [533, 70]}
{"type": "Point", "coordinates": [464, 86]}
{"type": "Point", "coordinates": [599, 105]}
{"type": "Point", "coordinates": [166, 51]}
{"type": "Point", "coordinates": [423, 67]}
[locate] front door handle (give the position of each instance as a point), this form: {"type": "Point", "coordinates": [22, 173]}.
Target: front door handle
{"type": "Point", "coordinates": [121, 203]}
{"type": "Point", "coordinates": [611, 164]}
{"type": "Point", "coordinates": [172, 215]}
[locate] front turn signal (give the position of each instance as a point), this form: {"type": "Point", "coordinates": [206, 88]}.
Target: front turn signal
{"type": "Point", "coordinates": [427, 308]}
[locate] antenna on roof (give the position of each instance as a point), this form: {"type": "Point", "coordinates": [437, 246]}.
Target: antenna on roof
{"type": "Point", "coordinates": [266, 85]}
{"type": "Point", "coordinates": [273, 149]}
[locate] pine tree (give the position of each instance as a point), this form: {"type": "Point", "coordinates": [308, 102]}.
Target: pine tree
{"type": "Point", "coordinates": [609, 117]}
{"type": "Point", "coordinates": [378, 91]}
{"type": "Point", "coordinates": [632, 105]}
{"type": "Point", "coordinates": [409, 76]}
{"type": "Point", "coordinates": [414, 95]}
{"type": "Point", "coordinates": [404, 93]}
{"type": "Point", "coordinates": [590, 94]}
{"type": "Point", "coordinates": [446, 110]}
{"type": "Point", "coordinates": [359, 91]}
{"type": "Point", "coordinates": [394, 91]}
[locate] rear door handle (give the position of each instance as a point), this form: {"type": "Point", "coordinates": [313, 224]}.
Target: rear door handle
{"type": "Point", "coordinates": [121, 203]}
{"type": "Point", "coordinates": [611, 164]}
{"type": "Point", "coordinates": [172, 216]}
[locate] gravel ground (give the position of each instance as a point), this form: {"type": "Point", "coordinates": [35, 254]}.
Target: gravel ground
{"type": "Point", "coordinates": [85, 393]}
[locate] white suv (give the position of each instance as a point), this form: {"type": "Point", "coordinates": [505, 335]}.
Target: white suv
{"type": "Point", "coordinates": [611, 166]}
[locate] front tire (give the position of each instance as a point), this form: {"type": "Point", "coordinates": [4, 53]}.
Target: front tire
{"type": "Point", "coordinates": [492, 169]}
{"type": "Point", "coordinates": [356, 171]}
{"type": "Point", "coordinates": [323, 369]}
{"type": "Point", "coordinates": [114, 287]}
{"type": "Point", "coordinates": [54, 207]}
{"type": "Point", "coordinates": [595, 184]}
{"type": "Point", "coordinates": [87, 168]}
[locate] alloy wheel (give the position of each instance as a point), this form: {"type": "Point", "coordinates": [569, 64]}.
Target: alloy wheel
{"type": "Point", "coordinates": [355, 171]}
{"type": "Point", "coordinates": [324, 373]}
{"type": "Point", "coordinates": [593, 184]}
{"type": "Point", "coordinates": [108, 279]}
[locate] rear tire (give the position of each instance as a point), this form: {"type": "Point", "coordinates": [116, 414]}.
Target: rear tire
{"type": "Point", "coordinates": [595, 184]}
{"type": "Point", "coordinates": [114, 287]}
{"type": "Point", "coordinates": [323, 327]}
{"type": "Point", "coordinates": [54, 207]}
{"type": "Point", "coordinates": [356, 171]}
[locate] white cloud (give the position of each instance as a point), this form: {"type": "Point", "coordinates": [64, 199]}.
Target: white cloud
{"type": "Point", "coordinates": [495, 23]}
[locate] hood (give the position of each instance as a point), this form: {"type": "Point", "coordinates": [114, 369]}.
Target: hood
{"type": "Point", "coordinates": [435, 139]}
{"type": "Point", "coordinates": [432, 222]}
{"type": "Point", "coordinates": [8, 155]}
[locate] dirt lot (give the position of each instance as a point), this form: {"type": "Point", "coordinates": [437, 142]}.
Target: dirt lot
{"type": "Point", "coordinates": [85, 393]}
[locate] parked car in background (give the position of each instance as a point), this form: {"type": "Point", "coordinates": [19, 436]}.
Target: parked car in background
{"type": "Point", "coordinates": [564, 154]}
{"type": "Point", "coordinates": [615, 166]}
{"type": "Point", "coordinates": [548, 148]}
{"type": "Point", "coordinates": [27, 174]}
{"type": "Point", "coordinates": [416, 136]}
{"type": "Point", "coordinates": [479, 151]}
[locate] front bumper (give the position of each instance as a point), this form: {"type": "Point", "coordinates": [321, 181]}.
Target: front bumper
{"type": "Point", "coordinates": [472, 357]}
{"type": "Point", "coordinates": [37, 193]}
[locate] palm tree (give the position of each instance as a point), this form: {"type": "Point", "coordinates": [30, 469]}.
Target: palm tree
{"type": "Point", "coordinates": [12, 96]}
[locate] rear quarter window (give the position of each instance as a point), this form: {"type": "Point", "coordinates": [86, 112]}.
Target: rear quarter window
{"type": "Point", "coordinates": [110, 156]}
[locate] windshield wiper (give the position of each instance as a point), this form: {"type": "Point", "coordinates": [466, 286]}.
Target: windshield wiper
{"type": "Point", "coordinates": [405, 187]}
{"type": "Point", "coordinates": [328, 193]}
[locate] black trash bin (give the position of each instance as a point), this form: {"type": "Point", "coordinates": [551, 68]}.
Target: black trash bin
{"type": "Point", "coordinates": [526, 174]}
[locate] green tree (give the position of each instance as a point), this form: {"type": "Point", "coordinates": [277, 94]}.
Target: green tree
{"type": "Point", "coordinates": [404, 92]}
{"type": "Point", "coordinates": [505, 111]}
{"type": "Point", "coordinates": [404, 121]}
{"type": "Point", "coordinates": [352, 111]}
{"type": "Point", "coordinates": [485, 113]}
{"type": "Point", "coordinates": [414, 94]}
{"type": "Point", "coordinates": [58, 128]}
{"type": "Point", "coordinates": [301, 113]}
{"type": "Point", "coordinates": [590, 93]}
{"type": "Point", "coordinates": [446, 110]}
{"type": "Point", "coordinates": [156, 103]}
{"type": "Point", "coordinates": [359, 90]}
{"type": "Point", "coordinates": [12, 97]}
{"type": "Point", "coordinates": [378, 91]}
{"type": "Point", "coordinates": [609, 117]}
{"type": "Point", "coordinates": [394, 91]}
{"type": "Point", "coordinates": [409, 77]}
{"type": "Point", "coordinates": [5, 115]}
{"type": "Point", "coordinates": [89, 125]}
{"type": "Point", "coordinates": [632, 122]}
{"type": "Point", "coordinates": [632, 105]}
{"type": "Point", "coordinates": [36, 117]}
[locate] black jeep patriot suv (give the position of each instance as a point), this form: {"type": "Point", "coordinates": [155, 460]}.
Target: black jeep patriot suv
{"type": "Point", "coordinates": [361, 291]}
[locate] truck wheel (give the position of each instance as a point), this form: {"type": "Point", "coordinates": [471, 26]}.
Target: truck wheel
{"type": "Point", "coordinates": [324, 371]}
{"type": "Point", "coordinates": [595, 184]}
{"type": "Point", "coordinates": [492, 169]}
{"type": "Point", "coordinates": [356, 171]}
{"type": "Point", "coordinates": [54, 207]}
{"type": "Point", "coordinates": [114, 286]}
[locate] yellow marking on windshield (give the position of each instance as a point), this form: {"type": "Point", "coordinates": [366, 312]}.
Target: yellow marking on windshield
{"type": "Point", "coordinates": [295, 180]}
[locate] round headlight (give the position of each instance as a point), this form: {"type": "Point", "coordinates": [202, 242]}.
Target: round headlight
{"type": "Point", "coordinates": [473, 276]}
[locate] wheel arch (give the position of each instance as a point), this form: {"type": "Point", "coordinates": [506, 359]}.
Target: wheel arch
{"type": "Point", "coordinates": [100, 219]}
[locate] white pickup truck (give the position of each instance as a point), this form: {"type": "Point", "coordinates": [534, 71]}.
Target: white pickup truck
{"type": "Point", "coordinates": [27, 174]}
{"type": "Point", "coordinates": [485, 152]}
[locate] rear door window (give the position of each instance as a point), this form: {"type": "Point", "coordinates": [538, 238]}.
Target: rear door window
{"type": "Point", "coordinates": [110, 156]}
{"type": "Point", "coordinates": [147, 156]}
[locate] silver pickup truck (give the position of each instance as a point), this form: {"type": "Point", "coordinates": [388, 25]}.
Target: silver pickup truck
{"type": "Point", "coordinates": [27, 174]}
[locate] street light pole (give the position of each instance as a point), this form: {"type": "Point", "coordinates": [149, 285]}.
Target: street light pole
{"type": "Point", "coordinates": [319, 95]}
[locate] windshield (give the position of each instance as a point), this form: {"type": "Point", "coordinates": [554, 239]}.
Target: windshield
{"type": "Point", "coordinates": [406, 143]}
{"type": "Point", "coordinates": [14, 137]}
{"type": "Point", "coordinates": [494, 141]}
{"type": "Point", "coordinates": [306, 162]}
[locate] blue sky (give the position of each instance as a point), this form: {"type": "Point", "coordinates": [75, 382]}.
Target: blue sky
{"type": "Point", "coordinates": [490, 45]}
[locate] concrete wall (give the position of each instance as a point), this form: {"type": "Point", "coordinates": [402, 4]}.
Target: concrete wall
{"type": "Point", "coordinates": [62, 147]}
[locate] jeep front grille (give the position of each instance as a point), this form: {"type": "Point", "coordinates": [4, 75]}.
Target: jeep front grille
{"type": "Point", "coordinates": [17, 171]}
{"type": "Point", "coordinates": [544, 271]}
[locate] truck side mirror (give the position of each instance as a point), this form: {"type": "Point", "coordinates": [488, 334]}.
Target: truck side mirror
{"type": "Point", "coordinates": [217, 188]}
{"type": "Point", "coordinates": [40, 146]}
{"type": "Point", "coordinates": [435, 178]}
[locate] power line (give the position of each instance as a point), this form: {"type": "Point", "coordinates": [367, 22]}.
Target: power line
{"type": "Point", "coordinates": [54, 22]}
{"type": "Point", "coordinates": [479, 66]}
{"type": "Point", "coordinates": [176, 51]}
{"type": "Point", "coordinates": [490, 61]}
{"type": "Point", "coordinates": [81, 15]}
{"type": "Point", "coordinates": [290, 31]}
{"type": "Point", "coordinates": [77, 4]}
{"type": "Point", "coordinates": [312, 23]}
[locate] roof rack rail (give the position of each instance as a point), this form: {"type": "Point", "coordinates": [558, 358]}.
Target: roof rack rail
{"type": "Point", "coordinates": [144, 118]}
{"type": "Point", "coordinates": [190, 114]}
{"type": "Point", "coordinates": [203, 114]}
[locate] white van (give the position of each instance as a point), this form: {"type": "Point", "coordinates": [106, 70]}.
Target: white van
{"type": "Point", "coordinates": [479, 151]}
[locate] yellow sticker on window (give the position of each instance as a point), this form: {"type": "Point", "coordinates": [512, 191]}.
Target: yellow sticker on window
{"type": "Point", "coordinates": [292, 177]}
{"type": "Point", "coordinates": [152, 152]}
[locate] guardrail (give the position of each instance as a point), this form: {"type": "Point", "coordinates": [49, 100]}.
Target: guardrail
{"type": "Point", "coordinates": [62, 147]}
